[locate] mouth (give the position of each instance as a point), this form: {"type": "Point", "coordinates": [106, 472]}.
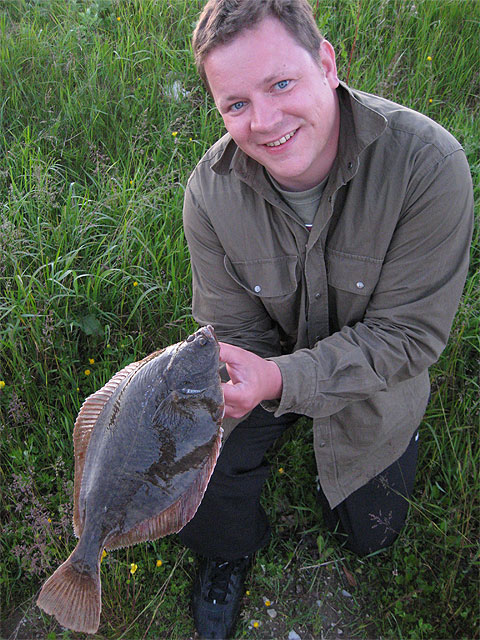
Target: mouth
{"type": "Point", "coordinates": [282, 140]}
{"type": "Point", "coordinates": [209, 332]}
{"type": "Point", "coordinates": [203, 335]}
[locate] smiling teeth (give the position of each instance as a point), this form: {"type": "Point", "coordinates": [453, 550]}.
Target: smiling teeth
{"type": "Point", "coordinates": [282, 140]}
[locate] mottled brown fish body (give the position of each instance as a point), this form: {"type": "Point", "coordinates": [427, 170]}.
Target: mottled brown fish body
{"type": "Point", "coordinates": [145, 446]}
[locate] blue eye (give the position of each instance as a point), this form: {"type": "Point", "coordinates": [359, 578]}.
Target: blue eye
{"type": "Point", "coordinates": [283, 84]}
{"type": "Point", "coordinates": [237, 106]}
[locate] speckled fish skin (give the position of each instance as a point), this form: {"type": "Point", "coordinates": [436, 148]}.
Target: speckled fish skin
{"type": "Point", "coordinates": [145, 447]}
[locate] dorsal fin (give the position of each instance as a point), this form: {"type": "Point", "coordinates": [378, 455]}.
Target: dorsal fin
{"type": "Point", "coordinates": [85, 423]}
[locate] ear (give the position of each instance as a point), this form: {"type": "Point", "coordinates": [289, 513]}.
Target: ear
{"type": "Point", "coordinates": [327, 59]}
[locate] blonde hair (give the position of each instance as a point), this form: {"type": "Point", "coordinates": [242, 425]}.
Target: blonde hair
{"type": "Point", "coordinates": [222, 20]}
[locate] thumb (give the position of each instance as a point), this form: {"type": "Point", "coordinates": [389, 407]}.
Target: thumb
{"type": "Point", "coordinates": [229, 353]}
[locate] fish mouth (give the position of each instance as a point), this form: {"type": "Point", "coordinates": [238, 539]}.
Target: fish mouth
{"type": "Point", "coordinates": [209, 332]}
{"type": "Point", "coordinates": [204, 333]}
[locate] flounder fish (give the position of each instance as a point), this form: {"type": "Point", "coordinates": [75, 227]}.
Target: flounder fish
{"type": "Point", "coordinates": [145, 447]}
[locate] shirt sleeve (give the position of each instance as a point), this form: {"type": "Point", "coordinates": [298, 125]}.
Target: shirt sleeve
{"type": "Point", "coordinates": [409, 316]}
{"type": "Point", "coordinates": [238, 317]}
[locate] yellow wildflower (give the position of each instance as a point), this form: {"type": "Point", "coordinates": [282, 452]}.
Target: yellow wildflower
{"type": "Point", "coordinates": [429, 58]}
{"type": "Point", "coordinates": [118, 18]}
{"type": "Point", "coordinates": [133, 568]}
{"type": "Point", "coordinates": [87, 372]}
{"type": "Point", "coordinates": [247, 592]}
{"type": "Point", "coordinates": [174, 134]}
{"type": "Point", "coordinates": [159, 563]}
{"type": "Point", "coordinates": [267, 603]}
{"type": "Point", "coordinates": [430, 100]}
{"type": "Point", "coordinates": [2, 384]}
{"type": "Point", "coordinates": [255, 624]}
{"type": "Point", "coordinates": [49, 520]}
{"type": "Point", "coordinates": [281, 470]}
{"type": "Point", "coordinates": [135, 284]}
{"type": "Point", "coordinates": [91, 360]}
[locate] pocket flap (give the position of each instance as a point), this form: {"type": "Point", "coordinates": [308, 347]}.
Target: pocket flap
{"type": "Point", "coordinates": [267, 278]}
{"type": "Point", "coordinates": [355, 274]}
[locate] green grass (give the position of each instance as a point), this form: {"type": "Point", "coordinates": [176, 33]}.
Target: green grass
{"type": "Point", "coordinates": [102, 118]}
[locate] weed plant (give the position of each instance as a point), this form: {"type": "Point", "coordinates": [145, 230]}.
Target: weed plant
{"type": "Point", "coordinates": [102, 119]}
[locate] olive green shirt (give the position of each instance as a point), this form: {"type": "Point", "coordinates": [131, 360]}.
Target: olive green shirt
{"type": "Point", "coordinates": [356, 309]}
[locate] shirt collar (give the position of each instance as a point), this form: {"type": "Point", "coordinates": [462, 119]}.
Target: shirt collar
{"type": "Point", "coordinates": [360, 125]}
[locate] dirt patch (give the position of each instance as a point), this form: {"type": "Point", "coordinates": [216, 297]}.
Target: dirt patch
{"type": "Point", "coordinates": [315, 602]}
{"type": "Point", "coordinates": [26, 623]}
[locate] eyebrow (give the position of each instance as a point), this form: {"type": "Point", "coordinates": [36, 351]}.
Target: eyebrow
{"type": "Point", "coordinates": [272, 77]}
{"type": "Point", "coordinates": [268, 80]}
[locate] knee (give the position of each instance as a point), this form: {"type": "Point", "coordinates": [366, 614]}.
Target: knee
{"type": "Point", "coordinates": [371, 541]}
{"type": "Point", "coordinates": [362, 548]}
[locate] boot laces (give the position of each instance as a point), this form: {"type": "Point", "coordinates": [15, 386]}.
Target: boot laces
{"type": "Point", "coordinates": [220, 580]}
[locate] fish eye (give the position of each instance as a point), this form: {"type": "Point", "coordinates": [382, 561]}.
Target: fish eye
{"type": "Point", "coordinates": [202, 341]}
{"type": "Point", "coordinates": [190, 338]}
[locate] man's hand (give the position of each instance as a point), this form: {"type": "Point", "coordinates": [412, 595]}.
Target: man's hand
{"type": "Point", "coordinates": [252, 380]}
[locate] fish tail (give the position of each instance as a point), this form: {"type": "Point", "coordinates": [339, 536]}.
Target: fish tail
{"type": "Point", "coordinates": [73, 595]}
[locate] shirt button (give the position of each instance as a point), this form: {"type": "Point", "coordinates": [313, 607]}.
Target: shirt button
{"type": "Point", "coordinates": [322, 443]}
{"type": "Point", "coordinates": [257, 288]}
{"type": "Point", "coordinates": [360, 285]}
{"type": "Point", "coordinates": [317, 296]}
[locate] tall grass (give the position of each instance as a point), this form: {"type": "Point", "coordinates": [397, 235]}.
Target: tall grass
{"type": "Point", "coordinates": [102, 118]}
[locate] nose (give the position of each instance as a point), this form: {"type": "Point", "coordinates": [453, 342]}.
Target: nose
{"type": "Point", "coordinates": [265, 115]}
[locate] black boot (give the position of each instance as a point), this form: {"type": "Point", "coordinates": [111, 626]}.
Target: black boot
{"type": "Point", "coordinates": [217, 594]}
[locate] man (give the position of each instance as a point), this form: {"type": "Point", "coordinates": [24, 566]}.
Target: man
{"type": "Point", "coordinates": [329, 233]}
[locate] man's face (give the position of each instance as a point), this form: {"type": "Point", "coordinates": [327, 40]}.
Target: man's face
{"type": "Point", "coordinates": [278, 104]}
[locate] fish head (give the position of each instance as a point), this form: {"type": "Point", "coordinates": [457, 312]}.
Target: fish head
{"type": "Point", "coordinates": [194, 367]}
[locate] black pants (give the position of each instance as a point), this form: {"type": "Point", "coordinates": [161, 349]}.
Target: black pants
{"type": "Point", "coordinates": [231, 523]}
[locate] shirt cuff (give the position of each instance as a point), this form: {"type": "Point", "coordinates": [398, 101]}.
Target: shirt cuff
{"type": "Point", "coordinates": [270, 405]}
{"type": "Point", "coordinates": [299, 383]}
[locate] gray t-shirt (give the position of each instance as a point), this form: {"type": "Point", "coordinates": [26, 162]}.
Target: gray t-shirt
{"type": "Point", "coordinates": [304, 203]}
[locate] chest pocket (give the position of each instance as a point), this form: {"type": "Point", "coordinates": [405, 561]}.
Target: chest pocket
{"type": "Point", "coordinates": [266, 278]}
{"type": "Point", "coordinates": [351, 283]}
{"type": "Point", "coordinates": [352, 274]}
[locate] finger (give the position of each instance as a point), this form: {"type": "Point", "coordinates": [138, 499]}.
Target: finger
{"type": "Point", "coordinates": [232, 392]}
{"type": "Point", "coordinates": [229, 352]}
{"type": "Point", "coordinates": [234, 397]}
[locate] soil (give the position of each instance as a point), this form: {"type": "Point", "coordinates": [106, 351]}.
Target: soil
{"type": "Point", "coordinates": [26, 623]}
{"type": "Point", "coordinates": [317, 602]}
